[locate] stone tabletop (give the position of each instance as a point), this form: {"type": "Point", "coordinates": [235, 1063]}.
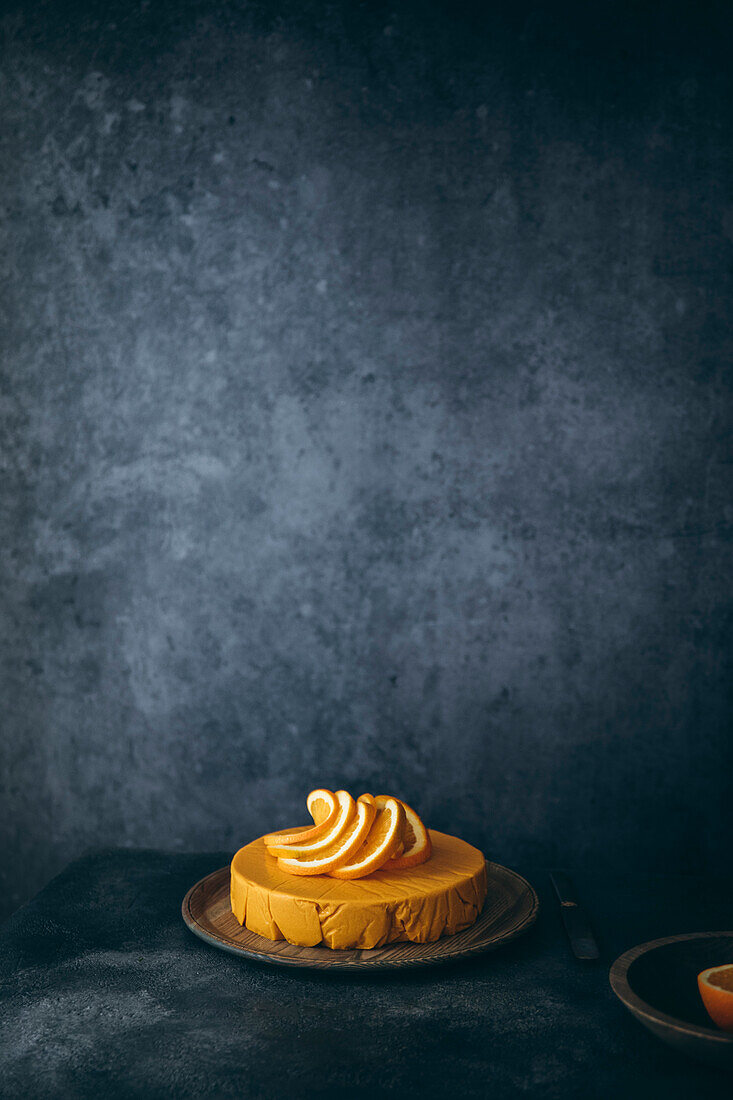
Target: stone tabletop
{"type": "Point", "coordinates": [106, 993]}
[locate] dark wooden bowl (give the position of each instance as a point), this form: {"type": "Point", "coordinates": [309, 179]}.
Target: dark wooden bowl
{"type": "Point", "coordinates": [657, 982]}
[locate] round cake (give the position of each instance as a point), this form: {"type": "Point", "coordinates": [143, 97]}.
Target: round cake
{"type": "Point", "coordinates": [438, 898]}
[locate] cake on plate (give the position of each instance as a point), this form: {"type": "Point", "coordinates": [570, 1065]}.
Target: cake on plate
{"type": "Point", "coordinates": [366, 872]}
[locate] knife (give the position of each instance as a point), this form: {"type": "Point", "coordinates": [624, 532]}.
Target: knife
{"type": "Point", "coordinates": [576, 923]}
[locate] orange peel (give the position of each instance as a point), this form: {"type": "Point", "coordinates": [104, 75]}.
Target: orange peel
{"type": "Point", "coordinates": [416, 845]}
{"type": "Point", "coordinates": [346, 809]}
{"type": "Point", "coordinates": [350, 841]}
{"type": "Point", "coordinates": [379, 845]}
{"type": "Point", "coordinates": [323, 807]}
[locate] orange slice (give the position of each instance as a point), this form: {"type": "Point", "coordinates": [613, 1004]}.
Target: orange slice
{"type": "Point", "coordinates": [324, 809]}
{"type": "Point", "coordinates": [379, 844]}
{"type": "Point", "coordinates": [399, 845]}
{"type": "Point", "coordinates": [287, 836]}
{"type": "Point", "coordinates": [322, 806]}
{"type": "Point", "coordinates": [416, 843]}
{"type": "Point", "coordinates": [341, 851]}
{"type": "Point", "coordinates": [307, 848]}
{"type": "Point", "coordinates": [716, 989]}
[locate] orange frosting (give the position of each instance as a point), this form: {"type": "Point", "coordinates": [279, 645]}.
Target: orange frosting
{"type": "Point", "coordinates": [438, 898]}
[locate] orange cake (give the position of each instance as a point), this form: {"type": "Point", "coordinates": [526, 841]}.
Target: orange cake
{"type": "Point", "coordinates": [441, 896]}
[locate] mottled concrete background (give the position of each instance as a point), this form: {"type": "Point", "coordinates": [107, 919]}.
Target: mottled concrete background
{"type": "Point", "coordinates": [365, 397]}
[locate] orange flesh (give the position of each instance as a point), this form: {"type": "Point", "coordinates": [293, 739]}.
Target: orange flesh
{"type": "Point", "coordinates": [311, 847]}
{"type": "Point", "coordinates": [379, 844]}
{"type": "Point", "coordinates": [377, 834]}
{"type": "Point", "coordinates": [324, 811]}
{"type": "Point", "coordinates": [723, 979]}
{"type": "Point", "coordinates": [320, 810]}
{"type": "Point", "coordinates": [344, 847]}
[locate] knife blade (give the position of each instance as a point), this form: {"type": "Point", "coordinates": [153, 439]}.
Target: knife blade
{"type": "Point", "coordinates": [573, 916]}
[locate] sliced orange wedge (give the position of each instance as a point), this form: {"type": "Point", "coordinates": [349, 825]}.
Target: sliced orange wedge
{"type": "Point", "coordinates": [399, 844]}
{"type": "Point", "coordinates": [287, 836]}
{"type": "Point", "coordinates": [716, 989]}
{"type": "Point", "coordinates": [323, 807]}
{"type": "Point", "coordinates": [379, 844]}
{"type": "Point", "coordinates": [416, 843]}
{"type": "Point", "coordinates": [304, 849]}
{"type": "Point", "coordinates": [341, 851]}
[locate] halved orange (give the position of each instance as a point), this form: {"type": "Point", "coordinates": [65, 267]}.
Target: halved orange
{"type": "Point", "coordinates": [379, 844]}
{"type": "Point", "coordinates": [342, 849]}
{"type": "Point", "coordinates": [344, 817]}
{"type": "Point", "coordinates": [323, 807]}
{"type": "Point", "coordinates": [716, 989]}
{"type": "Point", "coordinates": [416, 843]}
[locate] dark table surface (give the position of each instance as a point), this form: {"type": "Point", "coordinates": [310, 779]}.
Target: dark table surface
{"type": "Point", "coordinates": [106, 993]}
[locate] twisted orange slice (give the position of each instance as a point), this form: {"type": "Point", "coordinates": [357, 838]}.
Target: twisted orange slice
{"type": "Point", "coordinates": [416, 843]}
{"type": "Point", "coordinates": [346, 809]}
{"type": "Point", "coordinates": [325, 860]}
{"type": "Point", "coordinates": [379, 845]}
{"type": "Point", "coordinates": [323, 807]}
{"type": "Point", "coordinates": [379, 802]}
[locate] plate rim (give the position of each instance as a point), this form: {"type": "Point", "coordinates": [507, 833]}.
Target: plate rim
{"type": "Point", "coordinates": [619, 982]}
{"type": "Point", "coordinates": [427, 959]}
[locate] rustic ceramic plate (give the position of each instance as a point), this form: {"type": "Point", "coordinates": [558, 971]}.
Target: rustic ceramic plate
{"type": "Point", "coordinates": [657, 981]}
{"type": "Point", "coordinates": [510, 909]}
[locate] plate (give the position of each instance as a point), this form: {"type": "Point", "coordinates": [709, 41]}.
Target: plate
{"type": "Point", "coordinates": [511, 908]}
{"type": "Point", "coordinates": [657, 982]}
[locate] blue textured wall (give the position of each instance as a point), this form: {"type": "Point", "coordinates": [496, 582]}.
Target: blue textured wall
{"type": "Point", "coordinates": [365, 396]}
